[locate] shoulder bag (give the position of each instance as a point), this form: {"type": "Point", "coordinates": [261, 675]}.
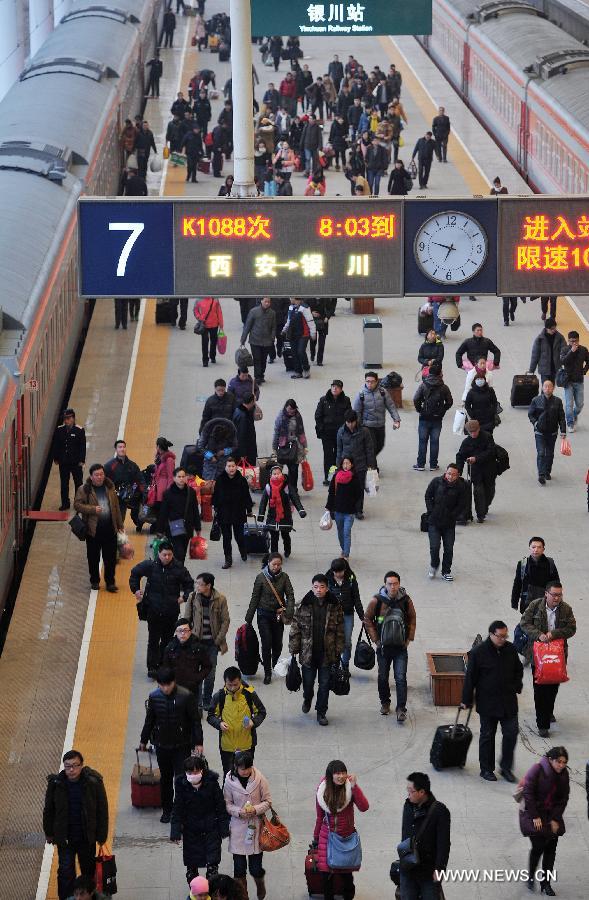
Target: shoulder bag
{"type": "Point", "coordinates": [343, 852]}
{"type": "Point", "coordinates": [288, 453]}
{"type": "Point", "coordinates": [78, 524]}
{"type": "Point", "coordinates": [280, 602]}
{"type": "Point", "coordinates": [273, 834]}
{"type": "Point", "coordinates": [178, 526]}
{"type": "Point", "coordinates": [408, 849]}
{"type": "Point", "coordinates": [201, 324]}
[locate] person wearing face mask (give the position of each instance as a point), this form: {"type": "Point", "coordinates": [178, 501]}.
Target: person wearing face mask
{"type": "Point", "coordinates": [276, 504]}
{"type": "Point", "coordinates": [199, 818]}
{"type": "Point", "coordinates": [273, 601]}
{"type": "Point", "coordinates": [345, 492]}
{"type": "Point", "coordinates": [481, 403]}
{"type": "Point", "coordinates": [236, 712]}
{"type": "Point", "coordinates": [179, 517]}
{"type": "Point", "coordinates": [546, 795]}
{"type": "Point", "coordinates": [335, 799]}
{"type": "Point", "coordinates": [480, 370]}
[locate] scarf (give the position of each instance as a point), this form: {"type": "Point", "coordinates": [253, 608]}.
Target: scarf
{"type": "Point", "coordinates": [275, 485]}
{"type": "Point", "coordinates": [482, 373]}
{"type": "Point", "coordinates": [342, 477]}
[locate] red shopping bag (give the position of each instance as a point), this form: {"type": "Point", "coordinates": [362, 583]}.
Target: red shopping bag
{"type": "Point", "coordinates": [565, 447]}
{"type": "Point", "coordinates": [307, 476]}
{"type": "Point", "coordinates": [198, 548]}
{"type": "Point", "coordinates": [549, 662]}
{"type": "Point", "coordinates": [250, 473]}
{"type": "Point", "coordinates": [105, 873]}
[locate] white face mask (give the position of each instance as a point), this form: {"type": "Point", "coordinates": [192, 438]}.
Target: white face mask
{"type": "Point", "coordinates": [194, 779]}
{"type": "Point", "coordinates": [479, 382]}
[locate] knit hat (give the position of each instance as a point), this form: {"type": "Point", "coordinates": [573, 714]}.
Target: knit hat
{"type": "Point", "coordinates": [198, 885]}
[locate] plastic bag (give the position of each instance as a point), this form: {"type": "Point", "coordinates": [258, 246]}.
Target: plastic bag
{"type": "Point", "coordinates": [126, 551]}
{"type": "Point", "coordinates": [459, 421]}
{"type": "Point", "coordinates": [281, 667]}
{"type": "Point", "coordinates": [549, 662]}
{"type": "Point", "coordinates": [198, 548]}
{"type": "Point", "coordinates": [122, 539]}
{"type": "Point", "coordinates": [221, 342]}
{"type": "Point", "coordinates": [307, 476]}
{"type": "Point", "coordinates": [372, 482]}
{"type": "Point", "coordinates": [325, 522]}
{"type": "Point", "coordinates": [565, 447]}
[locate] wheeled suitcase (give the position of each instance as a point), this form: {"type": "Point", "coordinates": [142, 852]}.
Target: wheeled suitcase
{"type": "Point", "coordinates": [256, 538]}
{"type": "Point", "coordinates": [165, 312]}
{"type": "Point", "coordinates": [450, 744]}
{"type": "Point", "coordinates": [145, 784]}
{"type": "Point", "coordinates": [523, 389]}
{"type": "Point", "coordinates": [425, 323]}
{"type": "Point", "coordinates": [287, 356]}
{"type": "Point", "coordinates": [315, 877]}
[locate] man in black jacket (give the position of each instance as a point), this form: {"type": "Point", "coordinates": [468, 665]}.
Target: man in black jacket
{"type": "Point", "coordinates": [156, 68]}
{"type": "Point", "coordinates": [192, 146]}
{"type": "Point", "coordinates": [546, 413]}
{"type": "Point", "coordinates": [546, 351]}
{"type": "Point", "coordinates": [495, 673]}
{"type": "Point", "coordinates": [478, 347]}
{"type": "Point", "coordinates": [220, 405]}
{"type": "Point", "coordinates": [233, 504]}
{"type": "Point", "coordinates": [187, 657]}
{"type": "Point", "coordinates": [329, 418]}
{"type": "Point", "coordinates": [173, 725]}
{"type": "Point", "coordinates": [335, 70]}
{"type": "Point", "coordinates": [441, 130]}
{"type": "Point", "coordinates": [445, 500]}
{"type": "Point", "coordinates": [245, 426]}
{"type": "Point", "coordinates": [532, 574]}
{"type": "Point", "coordinates": [432, 401]}
{"type": "Point", "coordinates": [575, 360]}
{"type": "Point", "coordinates": [69, 453]}
{"type": "Point", "coordinates": [377, 162]}
{"type": "Point", "coordinates": [425, 818]}
{"type": "Point", "coordinates": [424, 151]}
{"type": "Point", "coordinates": [168, 585]}
{"type": "Point", "coordinates": [128, 480]}
{"type": "Point", "coordinates": [75, 819]}
{"type": "Point", "coordinates": [478, 450]}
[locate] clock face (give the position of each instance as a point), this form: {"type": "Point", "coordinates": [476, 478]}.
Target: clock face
{"type": "Point", "coordinates": [450, 247]}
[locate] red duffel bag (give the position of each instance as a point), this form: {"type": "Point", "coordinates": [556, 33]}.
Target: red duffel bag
{"type": "Point", "coordinates": [549, 662]}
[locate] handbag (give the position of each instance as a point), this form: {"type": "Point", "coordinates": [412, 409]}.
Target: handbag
{"type": "Point", "coordinates": [142, 609]}
{"type": "Point", "coordinates": [146, 514]}
{"type": "Point", "coordinates": [562, 377]}
{"type": "Point", "coordinates": [105, 873]}
{"type": "Point", "coordinates": [364, 654]}
{"type": "Point", "coordinates": [549, 662]}
{"type": "Point", "coordinates": [273, 834]}
{"type": "Point", "coordinates": [408, 849]}
{"type": "Point", "coordinates": [343, 852]}
{"type": "Point", "coordinates": [201, 324]}
{"type": "Point", "coordinates": [177, 527]}
{"type": "Point", "coordinates": [294, 679]}
{"type": "Point", "coordinates": [258, 414]}
{"type": "Point", "coordinates": [424, 523]}
{"type": "Point", "coordinates": [79, 527]}
{"type": "Point", "coordinates": [287, 453]}
{"type": "Point", "coordinates": [215, 534]}
{"type": "Point", "coordinates": [339, 680]}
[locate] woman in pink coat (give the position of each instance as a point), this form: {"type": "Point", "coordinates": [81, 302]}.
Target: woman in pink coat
{"type": "Point", "coordinates": [247, 799]}
{"type": "Point", "coordinates": [163, 475]}
{"type": "Point", "coordinates": [334, 801]}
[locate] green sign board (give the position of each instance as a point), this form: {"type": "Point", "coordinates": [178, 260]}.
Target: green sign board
{"type": "Point", "coordinates": [305, 18]}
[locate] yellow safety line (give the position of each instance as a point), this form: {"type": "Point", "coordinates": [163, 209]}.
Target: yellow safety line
{"type": "Point", "coordinates": [567, 317]}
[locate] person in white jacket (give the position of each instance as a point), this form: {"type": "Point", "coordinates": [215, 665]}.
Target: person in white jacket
{"type": "Point", "coordinates": [299, 327]}
{"type": "Point", "coordinates": [481, 370]}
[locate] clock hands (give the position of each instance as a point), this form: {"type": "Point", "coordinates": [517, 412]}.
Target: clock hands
{"type": "Point", "coordinates": [448, 247]}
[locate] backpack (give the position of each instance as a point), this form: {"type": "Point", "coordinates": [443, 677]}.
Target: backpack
{"type": "Point", "coordinates": [501, 460]}
{"type": "Point", "coordinates": [392, 380]}
{"type": "Point", "coordinates": [247, 649]}
{"type": "Point", "coordinates": [520, 640]}
{"type": "Point", "coordinates": [433, 401]}
{"type": "Point", "coordinates": [393, 630]}
{"type": "Point", "coordinates": [523, 567]}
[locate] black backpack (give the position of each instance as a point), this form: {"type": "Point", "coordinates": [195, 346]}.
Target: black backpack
{"type": "Point", "coordinates": [433, 401]}
{"type": "Point", "coordinates": [247, 649]}
{"type": "Point", "coordinates": [392, 380]}
{"type": "Point", "coordinates": [393, 630]}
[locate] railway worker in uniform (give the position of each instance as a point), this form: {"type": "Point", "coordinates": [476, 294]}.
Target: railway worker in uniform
{"type": "Point", "coordinates": [121, 313]}
{"type": "Point", "coordinates": [98, 504]}
{"type": "Point", "coordinates": [156, 69]}
{"type": "Point", "coordinates": [69, 453]}
{"type": "Point", "coordinates": [128, 480]}
{"type": "Point", "coordinates": [144, 144]}
{"type": "Point", "coordinates": [169, 28]}
{"type": "Point", "coordinates": [441, 131]}
{"type": "Point", "coordinates": [75, 819]}
{"type": "Point", "coordinates": [424, 151]}
{"type": "Point", "coordinates": [192, 146]}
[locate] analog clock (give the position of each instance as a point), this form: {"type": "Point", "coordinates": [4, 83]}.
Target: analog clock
{"type": "Point", "coordinates": [450, 247]}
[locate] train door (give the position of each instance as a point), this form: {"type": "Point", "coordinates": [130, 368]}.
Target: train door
{"type": "Point", "coordinates": [20, 473]}
{"type": "Point", "coordinates": [523, 137]}
{"type": "Point", "coordinates": [465, 70]}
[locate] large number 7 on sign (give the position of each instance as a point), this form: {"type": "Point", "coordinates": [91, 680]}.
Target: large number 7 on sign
{"type": "Point", "coordinates": [135, 228]}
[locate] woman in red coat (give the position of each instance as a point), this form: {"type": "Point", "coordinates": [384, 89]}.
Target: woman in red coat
{"type": "Point", "coordinates": [334, 801]}
{"type": "Point", "coordinates": [163, 476]}
{"type": "Point", "coordinates": [546, 794]}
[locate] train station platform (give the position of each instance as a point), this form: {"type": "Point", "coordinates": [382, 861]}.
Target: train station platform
{"type": "Point", "coordinates": [74, 659]}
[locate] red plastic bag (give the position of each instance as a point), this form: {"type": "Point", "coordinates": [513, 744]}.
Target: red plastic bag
{"type": "Point", "coordinates": [152, 494]}
{"type": "Point", "coordinates": [549, 662]}
{"type": "Point", "coordinates": [221, 342]}
{"type": "Point", "coordinates": [307, 476]}
{"type": "Point", "coordinates": [198, 548]}
{"type": "Point", "coordinates": [565, 447]}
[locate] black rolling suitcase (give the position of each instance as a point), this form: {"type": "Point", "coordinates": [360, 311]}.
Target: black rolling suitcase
{"type": "Point", "coordinates": [425, 323]}
{"type": "Point", "coordinates": [287, 357]}
{"type": "Point", "coordinates": [523, 389]}
{"type": "Point", "coordinates": [450, 745]}
{"type": "Point", "coordinates": [224, 52]}
{"type": "Point", "coordinates": [256, 538]}
{"type": "Point", "coordinates": [165, 312]}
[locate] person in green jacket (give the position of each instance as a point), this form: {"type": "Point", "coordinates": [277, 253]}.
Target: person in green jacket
{"type": "Point", "coordinates": [273, 598]}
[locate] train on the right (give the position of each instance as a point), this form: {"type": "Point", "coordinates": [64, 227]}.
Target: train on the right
{"type": "Point", "coordinates": [525, 79]}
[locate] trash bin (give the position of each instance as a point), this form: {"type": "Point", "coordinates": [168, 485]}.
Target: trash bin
{"type": "Point", "coordinates": [372, 332]}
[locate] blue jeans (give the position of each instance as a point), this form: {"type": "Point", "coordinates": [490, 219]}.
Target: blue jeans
{"type": "Point", "coordinates": [205, 688]}
{"type": "Point", "coordinates": [344, 522]}
{"type": "Point", "coordinates": [436, 536]}
{"type": "Point", "coordinates": [397, 656]}
{"type": "Point", "coordinates": [373, 179]}
{"type": "Point", "coordinates": [545, 451]}
{"type": "Point", "coordinates": [574, 400]}
{"type": "Point", "coordinates": [417, 887]}
{"type": "Point", "coordinates": [439, 326]}
{"type": "Point", "coordinates": [429, 430]}
{"type": "Point", "coordinates": [310, 157]}
{"type": "Point", "coordinates": [348, 629]}
{"type": "Point", "coordinates": [322, 675]}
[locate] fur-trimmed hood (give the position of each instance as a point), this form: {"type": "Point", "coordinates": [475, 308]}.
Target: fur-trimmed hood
{"type": "Point", "coordinates": [323, 804]}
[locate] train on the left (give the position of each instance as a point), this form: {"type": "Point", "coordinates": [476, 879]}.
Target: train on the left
{"type": "Point", "coordinates": [59, 138]}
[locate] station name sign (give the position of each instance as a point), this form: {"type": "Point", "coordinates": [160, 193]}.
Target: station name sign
{"type": "Point", "coordinates": [310, 247]}
{"type": "Point", "coordinates": [368, 18]}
